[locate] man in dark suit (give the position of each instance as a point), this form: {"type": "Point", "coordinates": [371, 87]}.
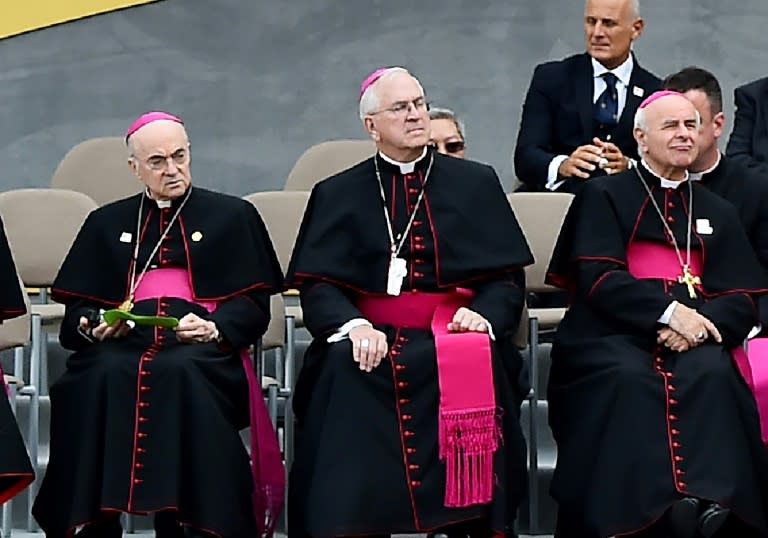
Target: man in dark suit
{"type": "Point", "coordinates": [577, 116]}
{"type": "Point", "coordinates": [749, 139]}
{"type": "Point", "coordinates": [746, 188]}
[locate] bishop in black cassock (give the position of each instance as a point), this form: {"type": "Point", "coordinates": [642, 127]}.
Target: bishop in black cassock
{"type": "Point", "coordinates": [368, 455]}
{"type": "Point", "coordinates": [657, 432]}
{"type": "Point", "coordinates": [15, 469]}
{"type": "Point", "coordinates": [146, 419]}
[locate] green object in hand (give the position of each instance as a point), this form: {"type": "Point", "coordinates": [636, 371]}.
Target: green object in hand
{"type": "Point", "coordinates": [110, 316]}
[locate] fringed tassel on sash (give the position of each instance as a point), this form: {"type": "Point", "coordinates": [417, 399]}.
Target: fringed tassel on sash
{"type": "Point", "coordinates": [467, 441]}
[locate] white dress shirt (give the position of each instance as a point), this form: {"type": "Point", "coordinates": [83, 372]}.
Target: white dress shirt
{"type": "Point", "coordinates": [623, 74]}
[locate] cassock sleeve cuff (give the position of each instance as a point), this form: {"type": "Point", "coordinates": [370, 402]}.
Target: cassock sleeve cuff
{"type": "Point", "coordinates": [490, 330]}
{"type": "Point", "coordinates": [343, 331]}
{"type": "Point", "coordinates": [554, 165]}
{"type": "Point", "coordinates": [667, 315]}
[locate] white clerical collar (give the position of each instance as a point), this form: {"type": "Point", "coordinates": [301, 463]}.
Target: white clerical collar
{"type": "Point", "coordinates": [161, 204]}
{"type": "Point", "coordinates": [665, 183]}
{"type": "Point", "coordinates": [696, 176]}
{"type": "Point", "coordinates": [405, 168]}
{"type": "Point", "coordinates": [623, 72]}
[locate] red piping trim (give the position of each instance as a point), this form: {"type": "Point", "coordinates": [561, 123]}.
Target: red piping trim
{"type": "Point", "coordinates": [402, 437]}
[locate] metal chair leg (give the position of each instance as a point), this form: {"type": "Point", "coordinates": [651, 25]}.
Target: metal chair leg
{"type": "Point", "coordinates": [129, 523]}
{"type": "Point", "coordinates": [34, 412]}
{"type": "Point", "coordinates": [533, 454]}
{"type": "Point", "coordinates": [272, 404]}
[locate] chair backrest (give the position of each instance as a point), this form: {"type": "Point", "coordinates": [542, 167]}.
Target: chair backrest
{"type": "Point", "coordinates": [16, 332]}
{"type": "Point", "coordinates": [41, 225]}
{"type": "Point", "coordinates": [541, 216]}
{"type": "Point", "coordinates": [99, 168]}
{"type": "Point", "coordinates": [282, 212]}
{"type": "Point", "coordinates": [274, 337]}
{"type": "Point", "coordinates": [326, 159]}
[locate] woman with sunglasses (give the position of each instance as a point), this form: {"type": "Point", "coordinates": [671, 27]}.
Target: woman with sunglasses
{"type": "Point", "coordinates": [447, 132]}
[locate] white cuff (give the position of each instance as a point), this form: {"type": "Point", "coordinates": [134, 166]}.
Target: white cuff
{"type": "Point", "coordinates": [490, 330]}
{"type": "Point", "coordinates": [667, 315]}
{"type": "Point", "coordinates": [343, 331]}
{"type": "Point", "coordinates": [755, 331]}
{"type": "Point", "coordinates": [554, 165]}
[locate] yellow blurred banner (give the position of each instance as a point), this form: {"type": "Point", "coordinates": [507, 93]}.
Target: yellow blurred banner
{"type": "Point", "coordinates": [19, 16]}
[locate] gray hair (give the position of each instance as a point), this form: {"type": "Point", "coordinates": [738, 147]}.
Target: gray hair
{"type": "Point", "coordinates": [438, 113]}
{"type": "Point", "coordinates": [369, 101]}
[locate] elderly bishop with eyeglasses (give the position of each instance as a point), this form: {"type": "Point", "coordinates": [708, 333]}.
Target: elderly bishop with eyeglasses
{"type": "Point", "coordinates": [410, 266]}
{"type": "Point", "coordinates": [164, 291]}
{"type": "Point", "coordinates": [657, 432]}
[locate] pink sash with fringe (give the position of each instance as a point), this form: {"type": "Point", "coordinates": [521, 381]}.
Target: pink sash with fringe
{"type": "Point", "coordinates": [753, 365]}
{"type": "Point", "coordinates": [653, 260]}
{"type": "Point", "coordinates": [469, 431]}
{"type": "Point", "coordinates": [266, 461]}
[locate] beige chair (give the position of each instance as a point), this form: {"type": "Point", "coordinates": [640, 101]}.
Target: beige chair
{"type": "Point", "coordinates": [540, 216]}
{"type": "Point", "coordinates": [282, 212]}
{"type": "Point", "coordinates": [16, 334]}
{"type": "Point", "coordinates": [326, 159]}
{"type": "Point", "coordinates": [99, 168]}
{"type": "Point", "coordinates": [41, 225]}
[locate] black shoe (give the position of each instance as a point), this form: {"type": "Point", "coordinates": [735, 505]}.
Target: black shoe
{"type": "Point", "coordinates": [712, 519]}
{"type": "Point", "coordinates": [167, 526]}
{"type": "Point", "coordinates": [683, 517]}
{"type": "Point", "coordinates": [110, 528]}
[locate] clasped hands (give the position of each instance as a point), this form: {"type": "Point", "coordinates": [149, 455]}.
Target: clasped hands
{"type": "Point", "coordinates": [587, 158]}
{"type": "Point", "coordinates": [369, 345]}
{"type": "Point", "coordinates": [191, 329]}
{"type": "Point", "coordinates": [686, 330]}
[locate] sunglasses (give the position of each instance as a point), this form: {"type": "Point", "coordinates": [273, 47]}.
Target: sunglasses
{"type": "Point", "coordinates": [451, 147]}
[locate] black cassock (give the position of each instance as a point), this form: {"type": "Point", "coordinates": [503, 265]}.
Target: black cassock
{"type": "Point", "coordinates": [367, 453]}
{"type": "Point", "coordinates": [15, 469]}
{"type": "Point", "coordinates": [747, 190]}
{"type": "Point", "coordinates": [147, 423]}
{"type": "Point", "coordinates": [637, 425]}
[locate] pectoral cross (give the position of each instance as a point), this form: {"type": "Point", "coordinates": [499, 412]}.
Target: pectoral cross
{"type": "Point", "coordinates": [690, 280]}
{"type": "Point", "coordinates": [126, 305]}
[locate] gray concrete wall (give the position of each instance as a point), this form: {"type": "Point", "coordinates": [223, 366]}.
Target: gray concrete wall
{"type": "Point", "coordinates": [259, 81]}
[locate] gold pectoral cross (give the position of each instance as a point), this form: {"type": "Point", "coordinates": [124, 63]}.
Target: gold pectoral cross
{"type": "Point", "coordinates": [690, 280]}
{"type": "Point", "coordinates": [126, 305]}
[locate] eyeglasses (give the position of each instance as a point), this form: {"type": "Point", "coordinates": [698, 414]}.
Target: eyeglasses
{"type": "Point", "coordinates": [179, 157]}
{"type": "Point", "coordinates": [455, 146]}
{"type": "Point", "coordinates": [401, 108]}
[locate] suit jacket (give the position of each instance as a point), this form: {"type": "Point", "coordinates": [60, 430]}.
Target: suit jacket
{"type": "Point", "coordinates": [557, 116]}
{"type": "Point", "coordinates": [749, 138]}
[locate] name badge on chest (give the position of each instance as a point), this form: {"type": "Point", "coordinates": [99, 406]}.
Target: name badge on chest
{"type": "Point", "coordinates": [395, 275]}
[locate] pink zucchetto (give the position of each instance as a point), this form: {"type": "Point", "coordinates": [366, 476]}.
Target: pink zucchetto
{"type": "Point", "coordinates": [371, 79]}
{"type": "Point", "coordinates": [150, 117]}
{"type": "Point", "coordinates": [655, 96]}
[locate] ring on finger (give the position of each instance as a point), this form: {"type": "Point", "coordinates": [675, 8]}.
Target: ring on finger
{"type": "Point", "coordinates": [365, 342]}
{"type": "Point", "coordinates": [701, 335]}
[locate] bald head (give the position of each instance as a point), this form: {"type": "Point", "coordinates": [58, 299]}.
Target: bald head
{"type": "Point", "coordinates": [666, 130]}
{"type": "Point", "coordinates": [610, 28]}
{"type": "Point", "coordinates": [160, 158]}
